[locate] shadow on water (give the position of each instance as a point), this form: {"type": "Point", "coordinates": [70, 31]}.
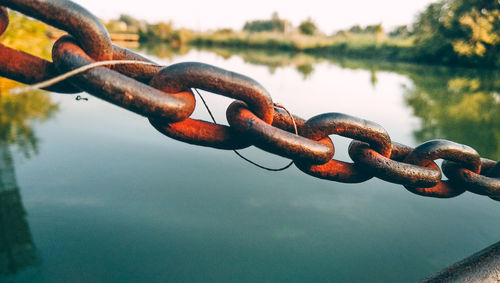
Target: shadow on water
{"type": "Point", "coordinates": [17, 250]}
{"type": "Point", "coordinates": [456, 104]}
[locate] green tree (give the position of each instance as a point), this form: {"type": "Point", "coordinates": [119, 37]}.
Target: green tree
{"type": "Point", "coordinates": [374, 29]}
{"type": "Point", "coordinates": [165, 32]}
{"type": "Point", "coordinates": [400, 31]}
{"type": "Point", "coordinates": [274, 24]}
{"type": "Point", "coordinates": [308, 27]}
{"type": "Point", "coordinates": [129, 20]}
{"type": "Point", "coordinates": [27, 35]}
{"type": "Point", "coordinates": [18, 111]}
{"type": "Point", "coordinates": [133, 24]}
{"type": "Point", "coordinates": [459, 32]}
{"type": "Point", "coordinates": [356, 29]}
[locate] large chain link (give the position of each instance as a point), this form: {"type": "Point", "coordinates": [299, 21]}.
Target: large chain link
{"type": "Point", "coordinates": [163, 94]}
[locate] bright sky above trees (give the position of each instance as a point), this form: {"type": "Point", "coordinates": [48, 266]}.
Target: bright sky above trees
{"type": "Point", "coordinates": [212, 14]}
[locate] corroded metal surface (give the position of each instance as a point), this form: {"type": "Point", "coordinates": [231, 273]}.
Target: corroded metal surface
{"type": "Point", "coordinates": [483, 266]}
{"type": "Point", "coordinates": [119, 89]}
{"type": "Point", "coordinates": [283, 121]}
{"type": "Point", "coordinates": [392, 170]}
{"type": "Point", "coordinates": [4, 19]}
{"type": "Point", "coordinates": [202, 133]}
{"type": "Point", "coordinates": [435, 149]}
{"type": "Point", "coordinates": [29, 69]}
{"type": "Point", "coordinates": [485, 183]}
{"type": "Point", "coordinates": [183, 76]}
{"type": "Point", "coordinates": [276, 140]}
{"type": "Point", "coordinates": [168, 103]}
{"type": "Point", "coordinates": [26, 68]}
{"type": "Point", "coordinates": [142, 73]}
{"type": "Point", "coordinates": [348, 126]}
{"type": "Point", "coordinates": [70, 17]}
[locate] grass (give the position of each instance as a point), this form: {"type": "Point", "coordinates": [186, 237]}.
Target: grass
{"type": "Point", "coordinates": [352, 45]}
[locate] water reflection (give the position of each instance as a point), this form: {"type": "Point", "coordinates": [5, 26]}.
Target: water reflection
{"type": "Point", "coordinates": [164, 51]}
{"type": "Point", "coordinates": [17, 250]}
{"type": "Point", "coordinates": [457, 104]}
{"type": "Point", "coordinates": [463, 107]}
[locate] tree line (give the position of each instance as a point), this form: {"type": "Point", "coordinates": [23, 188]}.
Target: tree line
{"type": "Point", "coordinates": [450, 32]}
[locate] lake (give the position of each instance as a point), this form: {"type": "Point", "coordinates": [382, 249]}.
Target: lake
{"type": "Point", "coordinates": [93, 193]}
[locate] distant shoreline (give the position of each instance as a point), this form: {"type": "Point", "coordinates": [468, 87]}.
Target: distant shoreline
{"type": "Point", "coordinates": [448, 33]}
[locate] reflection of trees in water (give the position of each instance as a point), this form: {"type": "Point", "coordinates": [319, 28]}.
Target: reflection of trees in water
{"type": "Point", "coordinates": [303, 63]}
{"type": "Point", "coordinates": [17, 250]}
{"type": "Point", "coordinates": [163, 50]}
{"type": "Point", "coordinates": [17, 112]}
{"type": "Point", "coordinates": [457, 104]}
{"type": "Point", "coordinates": [463, 106]}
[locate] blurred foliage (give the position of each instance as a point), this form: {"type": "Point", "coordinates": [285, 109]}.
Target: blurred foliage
{"type": "Point", "coordinates": [462, 106]}
{"type": "Point", "coordinates": [459, 32]}
{"type": "Point", "coordinates": [400, 31]}
{"type": "Point", "coordinates": [17, 112]}
{"type": "Point", "coordinates": [27, 35]}
{"type": "Point", "coordinates": [125, 24]}
{"type": "Point", "coordinates": [165, 32]}
{"type": "Point", "coordinates": [164, 50]}
{"type": "Point", "coordinates": [303, 63]}
{"type": "Point", "coordinates": [459, 104]}
{"type": "Point", "coordinates": [308, 27]}
{"type": "Point", "coordinates": [274, 24]}
{"type": "Point", "coordinates": [448, 32]}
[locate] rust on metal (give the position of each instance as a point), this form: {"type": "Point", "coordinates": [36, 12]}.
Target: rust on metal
{"type": "Point", "coordinates": [142, 73]}
{"type": "Point", "coordinates": [29, 69]}
{"type": "Point", "coordinates": [184, 76]}
{"type": "Point", "coordinates": [393, 169]}
{"type": "Point", "coordinates": [163, 94]}
{"type": "Point", "coordinates": [425, 153]}
{"type": "Point", "coordinates": [326, 124]}
{"type": "Point", "coordinates": [119, 89]}
{"type": "Point", "coordinates": [70, 17]}
{"type": "Point", "coordinates": [26, 68]}
{"type": "Point", "coordinates": [483, 266]}
{"type": "Point", "coordinates": [484, 183]}
{"type": "Point", "coordinates": [283, 121]}
{"type": "Point", "coordinates": [4, 19]}
{"type": "Point", "coordinates": [276, 140]}
{"type": "Point", "coordinates": [202, 133]}
{"type": "Point", "coordinates": [335, 170]}
{"type": "Point", "coordinates": [495, 171]}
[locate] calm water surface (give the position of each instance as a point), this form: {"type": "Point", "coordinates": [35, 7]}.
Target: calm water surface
{"type": "Point", "coordinates": [109, 199]}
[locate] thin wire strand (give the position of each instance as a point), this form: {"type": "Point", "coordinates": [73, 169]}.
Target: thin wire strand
{"type": "Point", "coordinates": [64, 76]}
{"type": "Point", "coordinates": [239, 154]}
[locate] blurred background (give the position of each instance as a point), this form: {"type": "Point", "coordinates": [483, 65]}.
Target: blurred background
{"type": "Point", "coordinates": [92, 193]}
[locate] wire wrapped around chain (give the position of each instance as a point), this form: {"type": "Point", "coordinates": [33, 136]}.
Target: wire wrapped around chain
{"type": "Point", "coordinates": [163, 94]}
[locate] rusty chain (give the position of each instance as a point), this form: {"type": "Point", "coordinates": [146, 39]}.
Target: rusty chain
{"type": "Point", "coordinates": [164, 96]}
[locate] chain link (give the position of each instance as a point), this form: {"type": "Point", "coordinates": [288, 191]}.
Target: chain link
{"type": "Point", "coordinates": [163, 94]}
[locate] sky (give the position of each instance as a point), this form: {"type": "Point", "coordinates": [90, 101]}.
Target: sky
{"type": "Point", "coordinates": [330, 15]}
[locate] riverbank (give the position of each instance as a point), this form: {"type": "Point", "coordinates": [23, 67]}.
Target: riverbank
{"type": "Point", "coordinates": [357, 46]}
{"type": "Point", "coordinates": [451, 33]}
